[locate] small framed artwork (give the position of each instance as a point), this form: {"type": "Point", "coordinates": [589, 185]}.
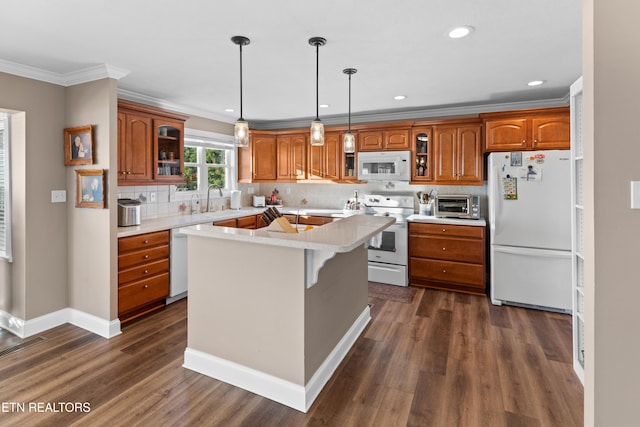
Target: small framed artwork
{"type": "Point", "coordinates": [90, 188]}
{"type": "Point", "coordinates": [78, 146]}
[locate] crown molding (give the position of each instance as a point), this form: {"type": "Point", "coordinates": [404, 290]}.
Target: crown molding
{"type": "Point", "coordinates": [171, 106]}
{"type": "Point", "coordinates": [84, 75]}
{"type": "Point", "coordinates": [97, 72]}
{"type": "Point", "coordinates": [413, 114]}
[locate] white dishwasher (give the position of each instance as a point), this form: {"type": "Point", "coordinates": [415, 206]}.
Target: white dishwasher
{"type": "Point", "coordinates": [178, 282]}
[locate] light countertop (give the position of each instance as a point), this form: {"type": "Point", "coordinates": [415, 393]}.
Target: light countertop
{"type": "Point", "coordinates": [338, 236]}
{"type": "Point", "coordinates": [452, 221]}
{"type": "Point", "coordinates": [177, 221]}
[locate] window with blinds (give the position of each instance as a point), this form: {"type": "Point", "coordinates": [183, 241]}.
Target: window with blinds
{"type": "Point", "coordinates": [5, 187]}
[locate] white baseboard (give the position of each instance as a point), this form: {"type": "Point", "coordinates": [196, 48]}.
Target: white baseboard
{"type": "Point", "coordinates": [285, 392]}
{"type": "Point", "coordinates": [27, 328]}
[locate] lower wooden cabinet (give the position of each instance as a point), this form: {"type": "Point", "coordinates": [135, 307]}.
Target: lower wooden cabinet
{"type": "Point", "coordinates": [143, 274]}
{"type": "Point", "coordinates": [451, 257]}
{"type": "Point", "coordinates": [310, 219]}
{"type": "Point", "coordinates": [250, 221]}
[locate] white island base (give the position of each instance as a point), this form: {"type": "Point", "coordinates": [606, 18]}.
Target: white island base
{"type": "Point", "coordinates": [267, 316]}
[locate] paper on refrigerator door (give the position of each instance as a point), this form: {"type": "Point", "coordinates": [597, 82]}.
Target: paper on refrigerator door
{"type": "Point", "coordinates": [510, 188]}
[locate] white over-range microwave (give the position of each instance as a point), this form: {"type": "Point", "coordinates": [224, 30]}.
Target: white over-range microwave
{"type": "Point", "coordinates": [384, 166]}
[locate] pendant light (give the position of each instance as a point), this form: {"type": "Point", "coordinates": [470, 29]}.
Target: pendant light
{"type": "Point", "coordinates": [317, 128]}
{"type": "Point", "coordinates": [349, 140]}
{"type": "Point", "coordinates": [241, 128]}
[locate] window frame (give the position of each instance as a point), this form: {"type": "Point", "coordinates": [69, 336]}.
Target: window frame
{"type": "Point", "coordinates": [201, 141]}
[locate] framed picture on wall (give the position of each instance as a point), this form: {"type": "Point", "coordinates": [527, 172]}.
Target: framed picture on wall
{"type": "Point", "coordinates": [78, 146]}
{"type": "Point", "coordinates": [90, 188]}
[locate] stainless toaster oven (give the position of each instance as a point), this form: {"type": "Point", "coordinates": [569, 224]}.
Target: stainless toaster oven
{"type": "Point", "coordinates": [457, 206]}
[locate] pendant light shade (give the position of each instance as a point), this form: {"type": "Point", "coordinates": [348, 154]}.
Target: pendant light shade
{"type": "Point", "coordinates": [317, 128]}
{"type": "Point", "coordinates": [349, 140]}
{"type": "Point", "coordinates": [241, 128]}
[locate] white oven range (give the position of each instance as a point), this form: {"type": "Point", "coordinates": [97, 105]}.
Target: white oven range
{"type": "Point", "coordinates": [387, 254]}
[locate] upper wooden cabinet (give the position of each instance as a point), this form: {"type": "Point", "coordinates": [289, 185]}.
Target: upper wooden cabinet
{"type": "Point", "coordinates": [264, 154]}
{"type": "Point", "coordinates": [421, 150]}
{"type": "Point", "coordinates": [291, 157]}
{"type": "Point", "coordinates": [150, 145]}
{"type": "Point", "coordinates": [457, 154]}
{"type": "Point", "coordinates": [389, 139]}
{"type": "Point", "coordinates": [542, 129]}
{"type": "Point", "coordinates": [325, 161]}
{"type": "Point", "coordinates": [135, 161]}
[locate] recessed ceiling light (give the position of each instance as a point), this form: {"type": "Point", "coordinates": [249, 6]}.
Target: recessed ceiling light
{"type": "Point", "coordinates": [399, 97]}
{"type": "Point", "coordinates": [459, 32]}
{"type": "Point", "coordinates": [229, 110]}
{"type": "Point", "coordinates": [324, 105]}
{"type": "Point", "coordinates": [535, 83]}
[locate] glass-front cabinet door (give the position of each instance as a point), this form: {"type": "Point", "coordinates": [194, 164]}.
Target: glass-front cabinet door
{"type": "Point", "coordinates": [169, 150]}
{"type": "Point", "coordinates": [421, 150]}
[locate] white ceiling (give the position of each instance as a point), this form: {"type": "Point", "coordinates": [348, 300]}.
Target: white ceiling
{"type": "Point", "coordinates": [179, 53]}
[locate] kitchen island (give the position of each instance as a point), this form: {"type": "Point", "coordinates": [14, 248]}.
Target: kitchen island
{"type": "Point", "coordinates": [275, 313]}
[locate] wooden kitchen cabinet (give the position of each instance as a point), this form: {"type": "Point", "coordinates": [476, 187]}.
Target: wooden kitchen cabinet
{"type": "Point", "coordinates": [250, 222]}
{"type": "Point", "coordinates": [458, 154]}
{"type": "Point", "coordinates": [143, 274]}
{"type": "Point", "coordinates": [380, 140]}
{"type": "Point", "coordinates": [421, 151]}
{"type": "Point", "coordinates": [450, 257]}
{"type": "Point", "coordinates": [310, 219]}
{"type": "Point", "coordinates": [541, 129]}
{"type": "Point", "coordinates": [150, 145]}
{"type": "Point", "coordinates": [325, 161]}
{"type": "Point", "coordinates": [291, 157]}
{"type": "Point", "coordinates": [135, 161]}
{"type": "Point", "coordinates": [264, 151]}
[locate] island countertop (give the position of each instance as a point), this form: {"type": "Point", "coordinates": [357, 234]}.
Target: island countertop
{"type": "Point", "coordinates": [339, 236]}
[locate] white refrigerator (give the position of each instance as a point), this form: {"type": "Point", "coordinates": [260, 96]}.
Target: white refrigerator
{"type": "Point", "coordinates": [530, 229]}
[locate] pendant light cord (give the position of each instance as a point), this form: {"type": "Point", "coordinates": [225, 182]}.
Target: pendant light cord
{"type": "Point", "coordinates": [317, 78]}
{"type": "Point", "coordinates": [349, 102]}
{"type": "Point", "coordinates": [241, 116]}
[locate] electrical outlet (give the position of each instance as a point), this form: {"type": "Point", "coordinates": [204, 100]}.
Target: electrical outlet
{"type": "Point", "coordinates": [152, 196]}
{"type": "Point", "coordinates": [288, 191]}
{"type": "Point", "coordinates": [250, 190]}
{"type": "Point", "coordinates": [58, 196]}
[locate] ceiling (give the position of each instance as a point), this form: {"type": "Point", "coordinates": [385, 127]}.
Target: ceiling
{"type": "Point", "coordinates": [180, 54]}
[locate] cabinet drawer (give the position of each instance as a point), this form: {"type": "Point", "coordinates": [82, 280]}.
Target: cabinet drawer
{"type": "Point", "coordinates": [142, 240]}
{"type": "Point", "coordinates": [447, 248]}
{"type": "Point", "coordinates": [143, 271]}
{"type": "Point", "coordinates": [247, 222]}
{"type": "Point", "coordinates": [143, 256]}
{"type": "Point", "coordinates": [447, 271]}
{"type": "Point", "coordinates": [447, 230]}
{"type": "Point", "coordinates": [142, 292]}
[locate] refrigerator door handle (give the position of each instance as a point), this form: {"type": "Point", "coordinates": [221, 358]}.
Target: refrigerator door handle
{"type": "Point", "coordinates": [515, 250]}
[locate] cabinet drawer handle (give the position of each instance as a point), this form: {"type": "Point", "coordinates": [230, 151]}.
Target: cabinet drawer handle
{"type": "Point", "coordinates": [444, 249]}
{"type": "Point", "coordinates": [145, 286]}
{"type": "Point", "coordinates": [444, 230]}
{"type": "Point", "coordinates": [523, 142]}
{"type": "Point", "coordinates": [145, 242]}
{"type": "Point", "coordinates": [146, 271]}
{"type": "Point", "coordinates": [146, 256]}
{"type": "Point", "coordinates": [444, 271]}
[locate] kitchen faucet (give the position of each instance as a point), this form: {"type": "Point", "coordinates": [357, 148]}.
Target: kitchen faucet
{"type": "Point", "coordinates": [209, 191]}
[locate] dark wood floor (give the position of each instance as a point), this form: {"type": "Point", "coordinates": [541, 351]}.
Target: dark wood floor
{"type": "Point", "coordinates": [428, 358]}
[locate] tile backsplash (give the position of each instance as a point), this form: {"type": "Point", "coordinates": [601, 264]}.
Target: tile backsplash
{"type": "Point", "coordinates": [163, 200]}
